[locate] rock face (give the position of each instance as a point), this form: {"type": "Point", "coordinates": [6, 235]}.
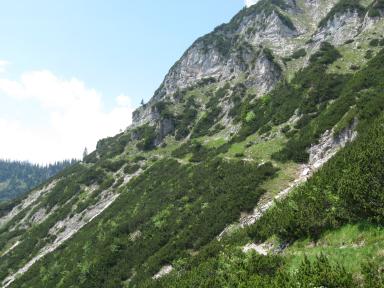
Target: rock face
{"type": "Point", "coordinates": [318, 9]}
{"type": "Point", "coordinates": [233, 50]}
{"type": "Point", "coordinates": [164, 271]}
{"type": "Point", "coordinates": [144, 114]}
{"type": "Point", "coordinates": [252, 47]}
{"type": "Point", "coordinates": [164, 127]}
{"type": "Point", "coordinates": [340, 28]}
{"type": "Point", "coordinates": [271, 29]}
{"type": "Point", "coordinates": [261, 249]}
{"type": "Point", "coordinates": [329, 144]}
{"type": "Point", "coordinates": [214, 56]}
{"type": "Point", "coordinates": [30, 201]}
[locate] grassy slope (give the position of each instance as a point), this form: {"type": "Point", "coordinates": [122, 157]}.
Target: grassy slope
{"type": "Point", "coordinates": [349, 246]}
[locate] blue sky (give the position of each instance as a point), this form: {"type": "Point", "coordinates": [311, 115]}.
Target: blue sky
{"type": "Point", "coordinates": [101, 56]}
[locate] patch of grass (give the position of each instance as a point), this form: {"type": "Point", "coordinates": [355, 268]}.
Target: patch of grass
{"type": "Point", "coordinates": [214, 142]}
{"type": "Point", "coordinates": [350, 57]}
{"type": "Point", "coordinates": [287, 173]}
{"type": "Point", "coordinates": [353, 56]}
{"type": "Point", "coordinates": [262, 150]}
{"type": "Point", "coordinates": [349, 246]}
{"type": "Point", "coordinates": [236, 149]}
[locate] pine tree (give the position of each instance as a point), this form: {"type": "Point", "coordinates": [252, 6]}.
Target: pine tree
{"type": "Point", "coordinates": [85, 153]}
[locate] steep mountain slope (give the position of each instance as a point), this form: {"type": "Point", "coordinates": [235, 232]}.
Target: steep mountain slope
{"type": "Point", "coordinates": [16, 178]}
{"type": "Point", "coordinates": [264, 143]}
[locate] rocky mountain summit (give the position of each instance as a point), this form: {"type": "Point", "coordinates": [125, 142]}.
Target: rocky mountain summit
{"type": "Point", "coordinates": [253, 48]}
{"type": "Point", "coordinates": [257, 163]}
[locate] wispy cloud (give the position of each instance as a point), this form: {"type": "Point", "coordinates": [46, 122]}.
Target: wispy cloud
{"type": "Point", "coordinates": [3, 66]}
{"type": "Point", "coordinates": [249, 3]}
{"type": "Point", "coordinates": [75, 113]}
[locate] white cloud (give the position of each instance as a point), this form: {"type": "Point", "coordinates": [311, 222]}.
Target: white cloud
{"type": "Point", "coordinates": [3, 66]}
{"type": "Point", "coordinates": [249, 3]}
{"type": "Point", "coordinates": [76, 118]}
{"type": "Point", "coordinates": [123, 100]}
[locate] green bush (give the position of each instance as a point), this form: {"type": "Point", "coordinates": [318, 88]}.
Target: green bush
{"type": "Point", "coordinates": [374, 43]}
{"type": "Point", "coordinates": [131, 168]}
{"type": "Point", "coordinates": [162, 108]}
{"type": "Point", "coordinates": [299, 54]}
{"type": "Point", "coordinates": [376, 8]}
{"type": "Point", "coordinates": [206, 122]}
{"type": "Point", "coordinates": [368, 54]}
{"type": "Point", "coordinates": [146, 135]}
{"type": "Point", "coordinates": [109, 147]}
{"type": "Point", "coordinates": [185, 123]}
{"type": "Point", "coordinates": [326, 55]}
{"type": "Point", "coordinates": [112, 166]}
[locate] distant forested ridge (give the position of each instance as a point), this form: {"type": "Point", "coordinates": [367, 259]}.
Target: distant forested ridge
{"type": "Point", "coordinates": [18, 177]}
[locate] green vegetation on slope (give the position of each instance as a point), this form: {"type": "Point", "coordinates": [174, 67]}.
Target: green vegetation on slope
{"type": "Point", "coordinates": [347, 190]}
{"type": "Point", "coordinates": [307, 96]}
{"type": "Point", "coordinates": [363, 91]}
{"type": "Point", "coordinates": [376, 8]}
{"type": "Point", "coordinates": [166, 214]}
{"type": "Point", "coordinates": [65, 195]}
{"type": "Point", "coordinates": [349, 246]}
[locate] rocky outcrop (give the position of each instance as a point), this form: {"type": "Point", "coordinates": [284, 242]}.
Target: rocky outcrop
{"type": "Point", "coordinates": [144, 114]}
{"type": "Point", "coordinates": [272, 30]}
{"type": "Point", "coordinates": [340, 28]}
{"type": "Point", "coordinates": [329, 144]}
{"type": "Point", "coordinates": [230, 51]}
{"type": "Point", "coordinates": [28, 204]}
{"type": "Point", "coordinates": [237, 49]}
{"type": "Point", "coordinates": [345, 25]}
{"type": "Point", "coordinates": [317, 10]}
{"type": "Point", "coordinates": [259, 66]}
{"type": "Point", "coordinates": [163, 271]}
{"type": "Point", "coordinates": [164, 128]}
{"type": "Point", "coordinates": [261, 249]}
{"type": "Point", "coordinates": [224, 54]}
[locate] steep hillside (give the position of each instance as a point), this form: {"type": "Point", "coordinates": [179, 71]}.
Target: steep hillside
{"type": "Point", "coordinates": [16, 178]}
{"type": "Point", "coordinates": [257, 163]}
